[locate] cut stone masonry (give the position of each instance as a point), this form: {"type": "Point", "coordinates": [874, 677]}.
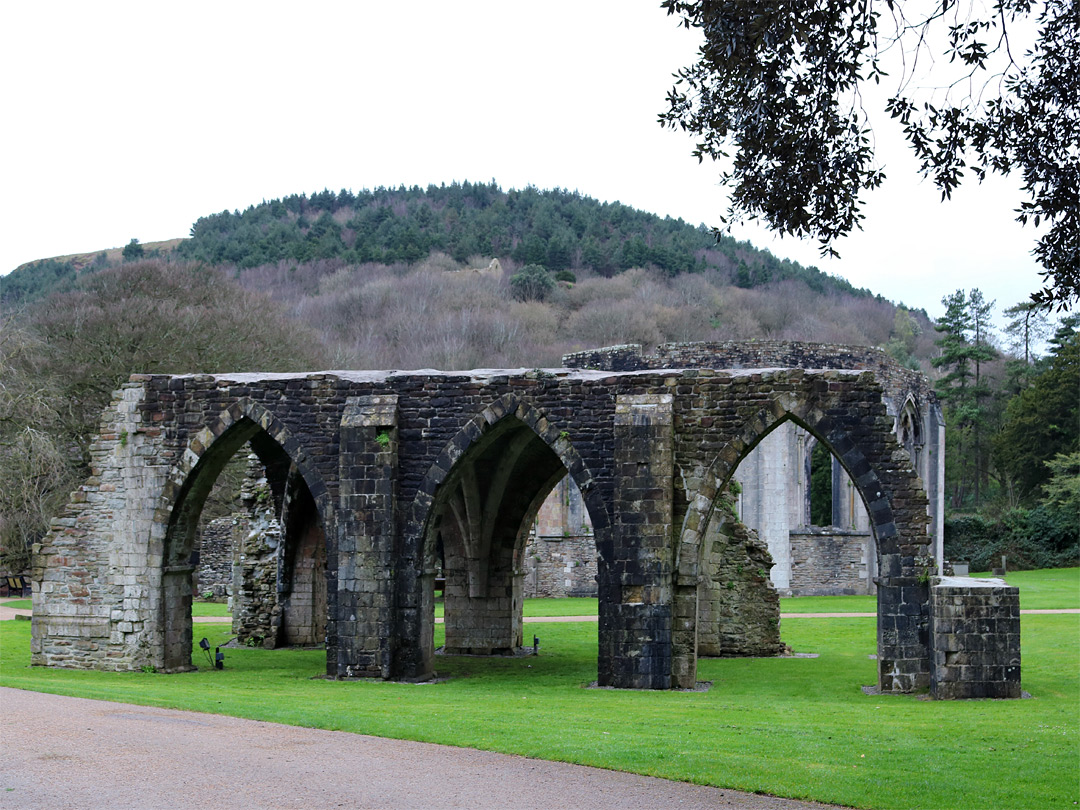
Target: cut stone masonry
{"type": "Point", "coordinates": [390, 474]}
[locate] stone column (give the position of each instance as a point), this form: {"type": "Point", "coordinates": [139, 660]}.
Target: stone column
{"type": "Point", "coordinates": [902, 642]}
{"type": "Point", "coordinates": [97, 575]}
{"type": "Point", "coordinates": [359, 630]}
{"type": "Point", "coordinates": [635, 582]}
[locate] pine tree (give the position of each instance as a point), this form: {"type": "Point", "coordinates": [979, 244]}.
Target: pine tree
{"type": "Point", "coordinates": [982, 352]}
{"type": "Point", "coordinates": [1029, 325]}
{"type": "Point", "coordinates": [965, 346]}
{"type": "Point", "coordinates": [133, 250]}
{"type": "Point", "coordinates": [1043, 420]}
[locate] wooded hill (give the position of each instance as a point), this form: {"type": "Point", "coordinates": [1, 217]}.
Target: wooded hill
{"type": "Point", "coordinates": [385, 277]}
{"type": "Point", "coordinates": [558, 229]}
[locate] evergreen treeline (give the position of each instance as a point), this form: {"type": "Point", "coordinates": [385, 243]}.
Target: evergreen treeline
{"type": "Point", "coordinates": [36, 280]}
{"type": "Point", "coordinates": [557, 229]}
{"type": "Point", "coordinates": [1012, 434]}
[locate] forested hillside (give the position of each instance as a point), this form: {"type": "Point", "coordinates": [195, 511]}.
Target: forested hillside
{"type": "Point", "coordinates": [558, 229]}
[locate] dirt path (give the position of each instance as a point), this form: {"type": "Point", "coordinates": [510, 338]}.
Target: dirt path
{"type": "Point", "coordinates": [63, 752]}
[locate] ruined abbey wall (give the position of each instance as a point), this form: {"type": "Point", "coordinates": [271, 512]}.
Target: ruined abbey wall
{"type": "Point", "coordinates": [387, 468]}
{"type": "Point", "coordinates": [774, 497]}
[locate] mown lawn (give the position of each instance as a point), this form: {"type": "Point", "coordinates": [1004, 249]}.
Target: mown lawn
{"type": "Point", "coordinates": [572, 606]}
{"type": "Point", "coordinates": [219, 609]}
{"type": "Point", "coordinates": [798, 727]}
{"type": "Point", "coordinates": [1052, 588]}
{"type": "Point", "coordinates": [1047, 588]}
{"type": "Point", "coordinates": [1039, 590]}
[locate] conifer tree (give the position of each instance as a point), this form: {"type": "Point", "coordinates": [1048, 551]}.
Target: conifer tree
{"type": "Point", "coordinates": [1043, 420]}
{"type": "Point", "coordinates": [1028, 326]}
{"type": "Point", "coordinates": [965, 346]}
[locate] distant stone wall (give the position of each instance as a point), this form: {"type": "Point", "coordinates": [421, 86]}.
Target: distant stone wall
{"type": "Point", "coordinates": [560, 555]}
{"type": "Point", "coordinates": [560, 566]}
{"type": "Point", "coordinates": [213, 574]}
{"type": "Point", "coordinates": [304, 607]}
{"type": "Point", "coordinates": [827, 561]}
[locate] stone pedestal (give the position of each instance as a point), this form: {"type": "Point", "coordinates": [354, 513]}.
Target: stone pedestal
{"type": "Point", "coordinates": [975, 638]}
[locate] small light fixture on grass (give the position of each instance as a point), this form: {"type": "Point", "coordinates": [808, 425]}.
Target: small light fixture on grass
{"type": "Point", "coordinates": [536, 645]}
{"type": "Point", "coordinates": [217, 661]}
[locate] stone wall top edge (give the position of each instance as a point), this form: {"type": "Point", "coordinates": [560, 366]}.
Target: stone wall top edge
{"type": "Point", "coordinates": [758, 353]}
{"type": "Point", "coordinates": [490, 375]}
{"type": "Point", "coordinates": [663, 349]}
{"type": "Point", "coordinates": [970, 582]}
{"type": "Point", "coordinates": [826, 531]}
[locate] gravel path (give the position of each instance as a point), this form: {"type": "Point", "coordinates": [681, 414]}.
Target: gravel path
{"type": "Point", "coordinates": [77, 754]}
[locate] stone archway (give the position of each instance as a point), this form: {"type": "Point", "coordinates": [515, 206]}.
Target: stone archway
{"type": "Point", "coordinates": [182, 498]}
{"type": "Point", "coordinates": [903, 597]}
{"type": "Point", "coordinates": [478, 501]}
{"type": "Point", "coordinates": [650, 448]}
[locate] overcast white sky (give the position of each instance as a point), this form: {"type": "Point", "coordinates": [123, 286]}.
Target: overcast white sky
{"type": "Point", "coordinates": [127, 120]}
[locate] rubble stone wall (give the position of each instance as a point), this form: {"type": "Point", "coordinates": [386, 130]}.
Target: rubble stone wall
{"type": "Point", "coordinates": [560, 566]}
{"type": "Point", "coordinates": [739, 613]}
{"type": "Point", "coordinates": [827, 561]}
{"type": "Point", "coordinates": [214, 572]}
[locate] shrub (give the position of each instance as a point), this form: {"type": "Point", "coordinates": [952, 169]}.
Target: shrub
{"type": "Point", "coordinates": [1031, 538]}
{"type": "Point", "coordinates": [133, 250]}
{"type": "Point", "coordinates": [532, 283]}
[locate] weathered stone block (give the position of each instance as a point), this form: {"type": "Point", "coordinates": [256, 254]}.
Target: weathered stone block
{"type": "Point", "coordinates": [975, 639]}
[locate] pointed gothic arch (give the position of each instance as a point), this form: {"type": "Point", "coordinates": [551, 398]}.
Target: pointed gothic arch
{"type": "Point", "coordinates": [480, 497]}
{"type": "Point", "coordinates": [896, 640]}
{"type": "Point", "coordinates": [184, 494]}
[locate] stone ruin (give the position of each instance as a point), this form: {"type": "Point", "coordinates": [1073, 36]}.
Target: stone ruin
{"type": "Point", "coordinates": [376, 478]}
{"type": "Point", "coordinates": [774, 491]}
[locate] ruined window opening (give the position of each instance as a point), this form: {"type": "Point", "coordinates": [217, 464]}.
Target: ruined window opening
{"type": "Point", "coordinates": [821, 486]}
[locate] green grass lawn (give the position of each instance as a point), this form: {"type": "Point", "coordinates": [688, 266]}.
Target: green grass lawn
{"type": "Point", "coordinates": [794, 727]}
{"type": "Point", "coordinates": [1052, 588]}
{"type": "Point", "coordinates": [20, 604]}
{"type": "Point", "coordinates": [1039, 590]}
{"type": "Point", "coordinates": [572, 606]}
{"type": "Point", "coordinates": [219, 609]}
{"type": "Point", "coordinates": [569, 606]}
{"type": "Point", "coordinates": [828, 604]}
{"type": "Point", "coordinates": [1045, 589]}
